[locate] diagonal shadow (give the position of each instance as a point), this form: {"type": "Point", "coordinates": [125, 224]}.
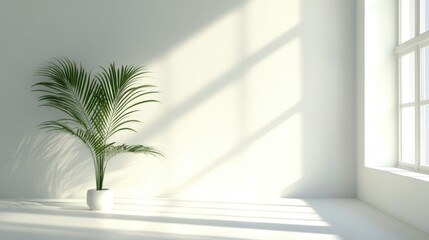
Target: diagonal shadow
{"type": "Point", "coordinates": [174, 220]}
{"type": "Point", "coordinates": [47, 231]}
{"type": "Point", "coordinates": [235, 151]}
{"type": "Point", "coordinates": [45, 165]}
{"type": "Point", "coordinates": [219, 83]}
{"type": "Point", "coordinates": [144, 42]}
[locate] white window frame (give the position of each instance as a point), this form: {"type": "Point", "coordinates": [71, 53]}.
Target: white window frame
{"type": "Point", "coordinates": [416, 44]}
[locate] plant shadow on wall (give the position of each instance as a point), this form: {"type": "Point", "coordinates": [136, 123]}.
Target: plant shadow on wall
{"type": "Point", "coordinates": [48, 165]}
{"type": "Point", "coordinates": [96, 109]}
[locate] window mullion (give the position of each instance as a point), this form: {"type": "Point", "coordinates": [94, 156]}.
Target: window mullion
{"type": "Point", "coordinates": [400, 106]}
{"type": "Point", "coordinates": [417, 18]}
{"type": "Point", "coordinates": [417, 109]}
{"type": "Point", "coordinates": [418, 76]}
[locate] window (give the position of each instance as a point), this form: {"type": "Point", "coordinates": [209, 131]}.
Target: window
{"type": "Point", "coordinates": [413, 72]}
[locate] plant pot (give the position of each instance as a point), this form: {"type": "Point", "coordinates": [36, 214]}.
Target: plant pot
{"type": "Point", "coordinates": [99, 199]}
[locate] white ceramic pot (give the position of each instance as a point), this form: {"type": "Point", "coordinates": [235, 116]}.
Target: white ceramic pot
{"type": "Point", "coordinates": [99, 199]}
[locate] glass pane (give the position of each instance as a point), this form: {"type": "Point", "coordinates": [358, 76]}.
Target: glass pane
{"type": "Point", "coordinates": [425, 71]}
{"type": "Point", "coordinates": [407, 20]}
{"type": "Point", "coordinates": [407, 78]}
{"type": "Point", "coordinates": [425, 135]}
{"type": "Point", "coordinates": [407, 135]}
{"type": "Point", "coordinates": [424, 15]}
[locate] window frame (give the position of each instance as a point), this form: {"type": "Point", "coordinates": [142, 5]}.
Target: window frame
{"type": "Point", "coordinates": [415, 44]}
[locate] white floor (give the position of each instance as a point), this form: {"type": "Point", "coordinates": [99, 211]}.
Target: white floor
{"type": "Point", "coordinates": [156, 219]}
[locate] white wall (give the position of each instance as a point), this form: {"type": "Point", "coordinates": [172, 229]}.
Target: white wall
{"type": "Point", "coordinates": [258, 97]}
{"type": "Point", "coordinates": [403, 197]}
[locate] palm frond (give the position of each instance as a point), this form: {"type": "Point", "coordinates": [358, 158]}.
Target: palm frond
{"type": "Point", "coordinates": [119, 149]}
{"type": "Point", "coordinates": [69, 90]}
{"type": "Point", "coordinates": [120, 95]}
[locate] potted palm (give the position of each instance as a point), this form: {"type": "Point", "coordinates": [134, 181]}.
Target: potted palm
{"type": "Point", "coordinates": [96, 108]}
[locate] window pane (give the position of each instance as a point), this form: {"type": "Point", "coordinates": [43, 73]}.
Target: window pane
{"type": "Point", "coordinates": [424, 15]}
{"type": "Point", "coordinates": [407, 78]}
{"type": "Point", "coordinates": [407, 20]}
{"type": "Point", "coordinates": [407, 135]}
{"type": "Point", "coordinates": [425, 71]}
{"type": "Point", "coordinates": [425, 135]}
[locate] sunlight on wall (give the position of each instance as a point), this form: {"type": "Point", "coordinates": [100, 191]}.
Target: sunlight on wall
{"type": "Point", "coordinates": [274, 161]}
{"type": "Point", "coordinates": [226, 145]}
{"type": "Point", "coordinates": [273, 85]}
{"type": "Point", "coordinates": [202, 59]}
{"type": "Point", "coordinates": [265, 22]}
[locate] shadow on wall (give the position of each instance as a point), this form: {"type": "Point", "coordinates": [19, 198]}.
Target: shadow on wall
{"type": "Point", "coordinates": [48, 165]}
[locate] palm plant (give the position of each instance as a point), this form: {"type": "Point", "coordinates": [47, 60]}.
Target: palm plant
{"type": "Point", "coordinates": [96, 107]}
